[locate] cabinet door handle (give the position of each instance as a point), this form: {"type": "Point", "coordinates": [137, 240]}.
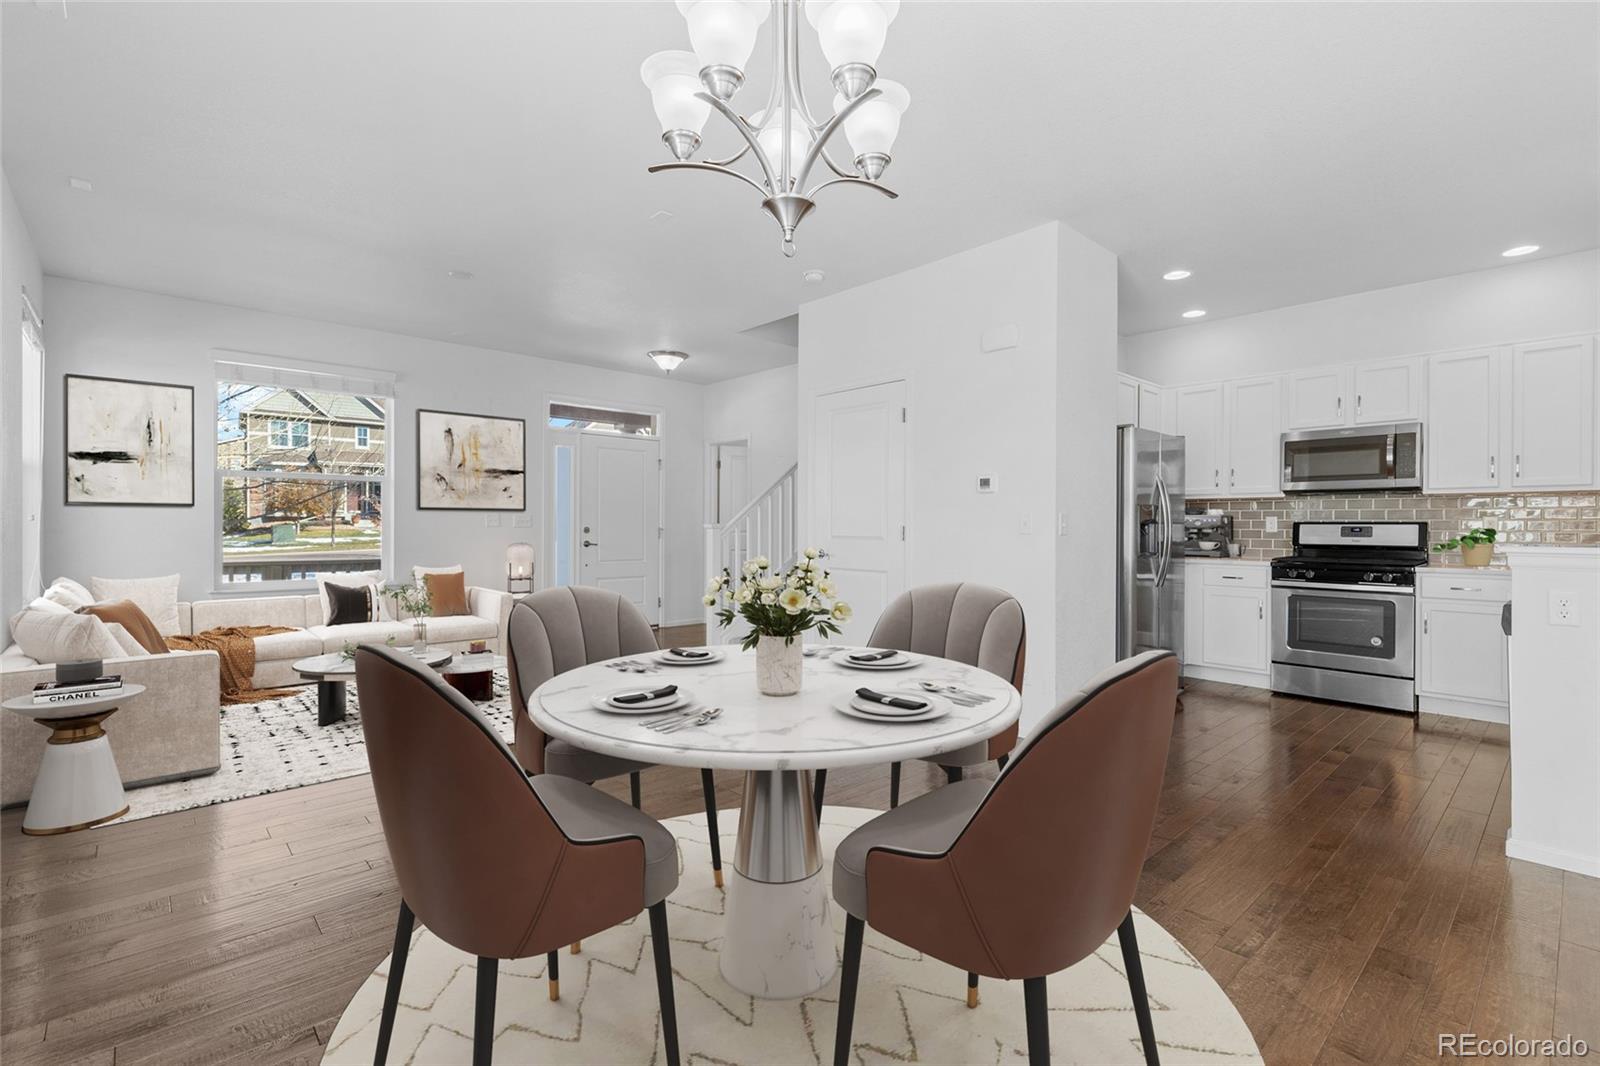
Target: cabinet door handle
{"type": "Point", "coordinates": [1516, 469]}
{"type": "Point", "coordinates": [1425, 624]}
{"type": "Point", "coordinates": [1358, 405]}
{"type": "Point", "coordinates": [1231, 577]}
{"type": "Point", "coordinates": [1261, 612]}
{"type": "Point", "coordinates": [1491, 468]}
{"type": "Point", "coordinates": [1216, 478]}
{"type": "Point", "coordinates": [1464, 588]}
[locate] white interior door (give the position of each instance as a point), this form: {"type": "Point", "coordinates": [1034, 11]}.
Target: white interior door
{"type": "Point", "coordinates": [619, 518]}
{"type": "Point", "coordinates": [858, 497]}
{"type": "Point", "coordinates": [733, 479]}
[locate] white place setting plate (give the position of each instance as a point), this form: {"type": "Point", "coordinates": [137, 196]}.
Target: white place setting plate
{"type": "Point", "coordinates": [666, 703]}
{"type": "Point", "coordinates": [666, 658]}
{"type": "Point", "coordinates": [900, 661]}
{"type": "Point", "coordinates": [853, 705]}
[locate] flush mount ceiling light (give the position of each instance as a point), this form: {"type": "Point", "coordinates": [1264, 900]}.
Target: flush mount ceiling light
{"type": "Point", "coordinates": [1175, 275]}
{"type": "Point", "coordinates": [459, 275]}
{"type": "Point", "coordinates": [784, 137]}
{"type": "Point", "coordinates": [81, 184]}
{"type": "Point", "coordinates": [1195, 313]}
{"type": "Point", "coordinates": [813, 277]}
{"type": "Point", "coordinates": [667, 359]}
{"type": "Point", "coordinates": [1521, 249]}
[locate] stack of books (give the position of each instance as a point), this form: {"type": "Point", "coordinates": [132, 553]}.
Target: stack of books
{"type": "Point", "coordinates": [89, 688]}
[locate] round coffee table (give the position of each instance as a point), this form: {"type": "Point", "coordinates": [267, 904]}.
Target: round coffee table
{"type": "Point", "coordinates": [78, 784]}
{"type": "Point", "coordinates": [473, 675]}
{"type": "Point", "coordinates": [333, 671]}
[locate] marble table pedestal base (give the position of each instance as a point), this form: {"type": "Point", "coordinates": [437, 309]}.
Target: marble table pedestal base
{"type": "Point", "coordinates": [778, 942]}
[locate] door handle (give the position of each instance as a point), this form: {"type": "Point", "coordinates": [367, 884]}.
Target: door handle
{"type": "Point", "coordinates": [591, 543]}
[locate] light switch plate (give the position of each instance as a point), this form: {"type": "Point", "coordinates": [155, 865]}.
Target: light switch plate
{"type": "Point", "coordinates": [522, 520]}
{"type": "Point", "coordinates": [492, 521]}
{"type": "Point", "coordinates": [1272, 523]}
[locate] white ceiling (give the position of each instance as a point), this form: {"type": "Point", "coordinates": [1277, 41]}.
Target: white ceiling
{"type": "Point", "coordinates": [334, 161]}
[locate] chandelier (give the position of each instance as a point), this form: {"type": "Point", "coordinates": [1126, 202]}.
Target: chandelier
{"type": "Point", "coordinates": [783, 138]}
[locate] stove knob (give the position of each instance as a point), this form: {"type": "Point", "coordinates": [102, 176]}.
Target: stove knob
{"type": "Point", "coordinates": [1310, 574]}
{"type": "Point", "coordinates": [1369, 577]}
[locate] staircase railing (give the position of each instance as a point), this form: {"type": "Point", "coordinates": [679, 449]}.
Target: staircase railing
{"type": "Point", "coordinates": [767, 525]}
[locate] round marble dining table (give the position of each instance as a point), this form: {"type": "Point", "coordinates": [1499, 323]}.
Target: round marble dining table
{"type": "Point", "coordinates": [778, 942]}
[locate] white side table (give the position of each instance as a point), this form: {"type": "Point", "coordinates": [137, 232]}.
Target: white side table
{"type": "Point", "coordinates": [78, 784]}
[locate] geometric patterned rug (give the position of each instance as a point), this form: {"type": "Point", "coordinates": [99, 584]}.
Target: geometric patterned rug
{"type": "Point", "coordinates": [277, 745]}
{"type": "Point", "coordinates": [909, 1008]}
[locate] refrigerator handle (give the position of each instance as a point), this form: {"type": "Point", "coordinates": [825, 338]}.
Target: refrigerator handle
{"type": "Point", "coordinates": [1164, 558]}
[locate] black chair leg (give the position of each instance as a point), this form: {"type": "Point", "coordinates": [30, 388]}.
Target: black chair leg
{"type": "Point", "coordinates": [397, 974]}
{"type": "Point", "coordinates": [1141, 998]}
{"type": "Point", "coordinates": [1002, 760]}
{"type": "Point", "coordinates": [1033, 997]}
{"type": "Point", "coordinates": [817, 789]}
{"type": "Point", "coordinates": [633, 790]}
{"type": "Point", "coordinates": [952, 774]}
{"type": "Point", "coordinates": [708, 785]}
{"type": "Point", "coordinates": [894, 785]}
{"type": "Point", "coordinates": [483, 1021]}
{"type": "Point", "coordinates": [669, 1008]}
{"type": "Point", "coordinates": [552, 973]}
{"type": "Point", "coordinates": [854, 928]}
{"type": "Point", "coordinates": [972, 990]}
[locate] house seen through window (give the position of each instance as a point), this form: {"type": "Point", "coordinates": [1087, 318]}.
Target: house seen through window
{"type": "Point", "coordinates": [300, 482]}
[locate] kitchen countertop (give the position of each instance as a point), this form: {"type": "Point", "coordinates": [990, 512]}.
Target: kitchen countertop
{"type": "Point", "coordinates": [1499, 565]}
{"type": "Point", "coordinates": [1227, 562]}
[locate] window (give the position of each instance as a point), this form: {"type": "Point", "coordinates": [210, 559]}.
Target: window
{"type": "Point", "coordinates": [300, 482]}
{"type": "Point", "coordinates": [601, 420]}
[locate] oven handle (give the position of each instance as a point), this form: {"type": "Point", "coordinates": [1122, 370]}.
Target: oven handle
{"type": "Point", "coordinates": [1348, 590]}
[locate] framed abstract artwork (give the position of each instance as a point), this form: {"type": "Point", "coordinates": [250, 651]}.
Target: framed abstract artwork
{"type": "Point", "coordinates": [129, 443]}
{"type": "Point", "coordinates": [471, 462]}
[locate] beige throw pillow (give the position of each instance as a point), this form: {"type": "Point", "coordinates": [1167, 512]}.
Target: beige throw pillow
{"type": "Point", "coordinates": [65, 592]}
{"type": "Point", "coordinates": [157, 597]}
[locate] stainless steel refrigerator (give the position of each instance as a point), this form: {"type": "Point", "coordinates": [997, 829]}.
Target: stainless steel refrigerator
{"type": "Point", "coordinates": [1149, 541]}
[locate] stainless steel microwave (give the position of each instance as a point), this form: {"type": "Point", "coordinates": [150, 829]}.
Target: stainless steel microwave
{"type": "Point", "coordinates": [1356, 457]}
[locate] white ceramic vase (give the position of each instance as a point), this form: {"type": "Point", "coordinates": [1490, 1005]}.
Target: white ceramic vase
{"type": "Point", "coordinates": [779, 666]}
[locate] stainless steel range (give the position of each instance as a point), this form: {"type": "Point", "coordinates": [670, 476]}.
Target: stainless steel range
{"type": "Point", "coordinates": [1343, 615]}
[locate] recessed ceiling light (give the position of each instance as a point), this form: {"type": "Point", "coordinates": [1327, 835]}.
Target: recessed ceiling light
{"type": "Point", "coordinates": [81, 184]}
{"type": "Point", "coordinates": [1195, 313]}
{"type": "Point", "coordinates": [667, 359]}
{"type": "Point", "coordinates": [661, 216]}
{"type": "Point", "coordinates": [1175, 275]}
{"type": "Point", "coordinates": [812, 277]}
{"type": "Point", "coordinates": [1521, 249]}
{"type": "Point", "coordinates": [459, 275]}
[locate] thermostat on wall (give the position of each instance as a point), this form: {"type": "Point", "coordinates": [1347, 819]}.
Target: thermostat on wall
{"type": "Point", "coordinates": [986, 483]}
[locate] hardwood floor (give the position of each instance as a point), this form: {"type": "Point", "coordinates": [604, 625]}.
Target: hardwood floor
{"type": "Point", "coordinates": [1341, 872]}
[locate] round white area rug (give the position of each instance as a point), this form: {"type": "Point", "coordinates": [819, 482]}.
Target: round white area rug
{"type": "Point", "coordinates": [909, 1008]}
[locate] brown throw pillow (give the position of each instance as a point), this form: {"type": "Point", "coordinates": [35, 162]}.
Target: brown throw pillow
{"type": "Point", "coordinates": [129, 615]}
{"type": "Point", "coordinates": [447, 594]}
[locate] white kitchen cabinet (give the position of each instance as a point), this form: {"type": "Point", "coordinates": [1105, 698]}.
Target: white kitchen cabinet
{"type": "Point", "coordinates": [1127, 401]}
{"type": "Point", "coordinates": [1254, 430]}
{"type": "Point", "coordinates": [1462, 654]}
{"type": "Point", "coordinates": [1387, 392]}
{"type": "Point", "coordinates": [1552, 414]}
{"type": "Point", "coordinates": [1199, 419]}
{"type": "Point", "coordinates": [1462, 441]}
{"type": "Point", "coordinates": [1149, 406]}
{"type": "Point", "coordinates": [1317, 398]}
{"type": "Point", "coordinates": [1234, 628]}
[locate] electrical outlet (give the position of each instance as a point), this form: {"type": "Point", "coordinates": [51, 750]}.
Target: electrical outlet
{"type": "Point", "coordinates": [1563, 608]}
{"type": "Point", "coordinates": [1272, 523]}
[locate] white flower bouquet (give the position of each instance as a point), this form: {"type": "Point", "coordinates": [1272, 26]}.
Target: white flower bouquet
{"type": "Point", "coordinates": [779, 608]}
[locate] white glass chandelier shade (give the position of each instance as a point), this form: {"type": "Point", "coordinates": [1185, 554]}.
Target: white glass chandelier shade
{"type": "Point", "coordinates": [771, 136]}
{"type": "Point", "coordinates": [667, 359]}
{"type": "Point", "coordinates": [673, 78]}
{"type": "Point", "coordinates": [723, 32]}
{"type": "Point", "coordinates": [872, 127]}
{"type": "Point", "coordinates": [851, 31]}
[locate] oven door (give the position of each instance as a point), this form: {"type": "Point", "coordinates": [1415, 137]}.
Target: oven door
{"type": "Point", "coordinates": [1367, 632]}
{"type": "Point", "coordinates": [1371, 457]}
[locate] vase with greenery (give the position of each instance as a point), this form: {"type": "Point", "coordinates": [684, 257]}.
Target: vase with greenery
{"type": "Point", "coordinates": [1477, 545]}
{"type": "Point", "coordinates": [779, 608]}
{"type": "Point", "coordinates": [413, 600]}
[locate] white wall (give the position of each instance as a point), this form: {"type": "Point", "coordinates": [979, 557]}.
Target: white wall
{"type": "Point", "coordinates": [996, 413]}
{"type": "Point", "coordinates": [759, 408]}
{"type": "Point", "coordinates": [19, 267]}
{"type": "Point", "coordinates": [1518, 302]}
{"type": "Point", "coordinates": [97, 329]}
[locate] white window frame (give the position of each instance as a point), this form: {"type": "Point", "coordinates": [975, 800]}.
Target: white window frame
{"type": "Point", "coordinates": [223, 587]}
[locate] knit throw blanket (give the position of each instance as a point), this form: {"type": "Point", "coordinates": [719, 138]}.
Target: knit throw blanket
{"type": "Point", "coordinates": [236, 647]}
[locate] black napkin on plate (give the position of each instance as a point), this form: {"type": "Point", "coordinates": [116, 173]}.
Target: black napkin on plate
{"type": "Point", "coordinates": [872, 656]}
{"type": "Point", "coordinates": [628, 698]}
{"type": "Point", "coordinates": [688, 653]}
{"type": "Point", "coordinates": [902, 702]}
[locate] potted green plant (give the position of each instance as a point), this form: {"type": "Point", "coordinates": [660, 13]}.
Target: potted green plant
{"type": "Point", "coordinates": [780, 608]}
{"type": "Point", "coordinates": [1477, 545]}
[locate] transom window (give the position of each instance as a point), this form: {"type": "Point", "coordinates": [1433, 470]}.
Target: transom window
{"type": "Point", "coordinates": [301, 476]}
{"type": "Point", "coordinates": [602, 420]}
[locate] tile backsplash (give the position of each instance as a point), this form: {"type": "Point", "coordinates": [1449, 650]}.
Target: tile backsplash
{"type": "Point", "coordinates": [1549, 518]}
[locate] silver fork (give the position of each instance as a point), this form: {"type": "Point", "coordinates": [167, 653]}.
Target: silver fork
{"type": "Point", "coordinates": [669, 718]}
{"type": "Point", "coordinates": [702, 719]}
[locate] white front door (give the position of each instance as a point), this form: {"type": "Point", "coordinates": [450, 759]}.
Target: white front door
{"type": "Point", "coordinates": [619, 518]}
{"type": "Point", "coordinates": [858, 497]}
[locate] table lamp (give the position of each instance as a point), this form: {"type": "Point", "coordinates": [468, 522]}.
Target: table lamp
{"type": "Point", "coordinates": [519, 569]}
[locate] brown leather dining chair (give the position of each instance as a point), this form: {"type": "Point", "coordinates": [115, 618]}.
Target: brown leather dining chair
{"type": "Point", "coordinates": [1027, 876]}
{"type": "Point", "coordinates": [493, 862]}
{"type": "Point", "coordinates": [970, 623]}
{"type": "Point", "coordinates": [561, 629]}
